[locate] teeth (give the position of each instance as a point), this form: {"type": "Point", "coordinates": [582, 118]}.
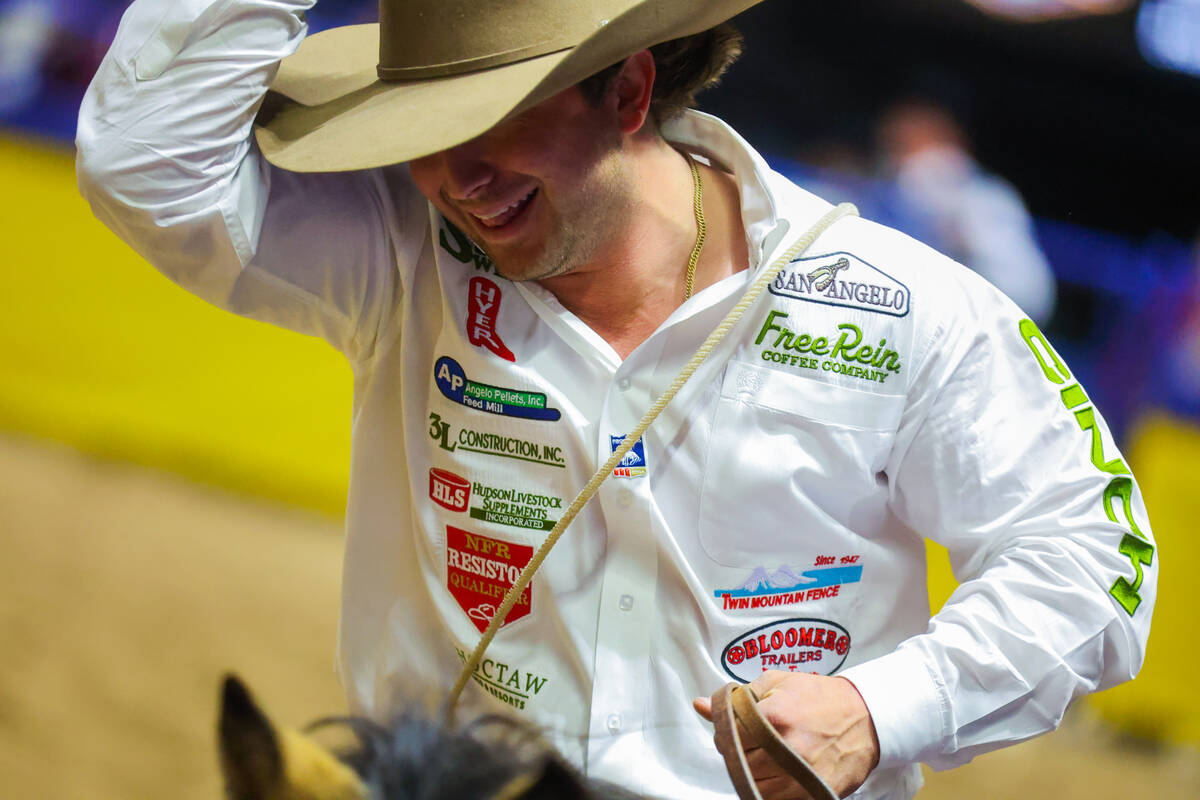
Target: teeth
{"type": "Point", "coordinates": [506, 209]}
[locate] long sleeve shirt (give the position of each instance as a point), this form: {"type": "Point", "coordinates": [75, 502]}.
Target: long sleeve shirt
{"type": "Point", "coordinates": [772, 518]}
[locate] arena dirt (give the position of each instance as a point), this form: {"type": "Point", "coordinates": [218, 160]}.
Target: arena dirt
{"type": "Point", "coordinates": [125, 594]}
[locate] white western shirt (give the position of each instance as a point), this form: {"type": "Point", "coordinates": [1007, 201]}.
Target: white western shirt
{"type": "Point", "coordinates": [772, 518]}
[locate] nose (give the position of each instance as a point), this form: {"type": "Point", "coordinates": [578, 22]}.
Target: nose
{"type": "Point", "coordinates": [467, 172]}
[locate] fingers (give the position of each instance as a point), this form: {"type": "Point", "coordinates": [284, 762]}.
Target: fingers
{"type": "Point", "coordinates": [781, 788]}
{"type": "Point", "coordinates": [703, 706]}
{"type": "Point", "coordinates": [768, 680]}
{"type": "Point", "coordinates": [772, 782]}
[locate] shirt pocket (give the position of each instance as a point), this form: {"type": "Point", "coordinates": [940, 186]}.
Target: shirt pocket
{"type": "Point", "coordinates": [794, 466]}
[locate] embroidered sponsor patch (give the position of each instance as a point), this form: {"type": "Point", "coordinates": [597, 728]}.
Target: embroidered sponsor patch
{"type": "Point", "coordinates": [454, 385]}
{"type": "Point", "coordinates": [784, 586]}
{"type": "Point", "coordinates": [634, 462]}
{"type": "Point", "coordinates": [513, 507]}
{"type": "Point", "coordinates": [494, 444]}
{"type": "Point", "coordinates": [507, 683]}
{"type": "Point", "coordinates": [483, 309]}
{"type": "Point", "coordinates": [449, 490]}
{"type": "Point", "coordinates": [793, 645]}
{"type": "Point", "coordinates": [842, 279]}
{"type": "Point", "coordinates": [843, 351]}
{"type": "Point", "coordinates": [480, 570]}
{"type": "Point", "coordinates": [456, 243]}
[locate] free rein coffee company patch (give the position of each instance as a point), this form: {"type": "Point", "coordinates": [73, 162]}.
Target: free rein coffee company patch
{"type": "Point", "coordinates": [791, 645]}
{"type": "Point", "coordinates": [452, 382]}
{"type": "Point", "coordinates": [479, 572]}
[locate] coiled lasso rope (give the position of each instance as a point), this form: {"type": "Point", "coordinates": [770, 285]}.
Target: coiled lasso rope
{"type": "Point", "coordinates": [585, 494]}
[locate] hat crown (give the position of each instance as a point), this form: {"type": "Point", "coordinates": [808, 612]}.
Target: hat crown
{"type": "Point", "coordinates": [432, 38]}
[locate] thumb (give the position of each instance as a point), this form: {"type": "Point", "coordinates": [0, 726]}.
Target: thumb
{"type": "Point", "coordinates": [703, 706]}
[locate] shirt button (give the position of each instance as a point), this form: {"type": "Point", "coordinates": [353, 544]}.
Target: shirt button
{"type": "Point", "coordinates": [614, 723]}
{"type": "Point", "coordinates": [623, 384]}
{"type": "Point", "coordinates": [626, 602]}
{"type": "Point", "coordinates": [624, 498]}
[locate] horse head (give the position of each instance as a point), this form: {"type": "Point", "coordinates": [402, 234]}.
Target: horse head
{"type": "Point", "coordinates": [492, 758]}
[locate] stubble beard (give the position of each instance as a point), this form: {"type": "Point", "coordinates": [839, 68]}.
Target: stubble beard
{"type": "Point", "coordinates": [585, 222]}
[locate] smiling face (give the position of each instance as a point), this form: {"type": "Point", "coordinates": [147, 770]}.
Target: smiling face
{"type": "Point", "coordinates": [541, 192]}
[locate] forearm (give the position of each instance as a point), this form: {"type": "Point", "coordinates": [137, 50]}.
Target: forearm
{"type": "Point", "coordinates": [1015, 472]}
{"type": "Point", "coordinates": [1000, 662]}
{"type": "Point", "coordinates": [164, 142]}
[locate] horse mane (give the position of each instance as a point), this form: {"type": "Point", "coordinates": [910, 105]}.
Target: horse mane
{"type": "Point", "coordinates": [492, 758]}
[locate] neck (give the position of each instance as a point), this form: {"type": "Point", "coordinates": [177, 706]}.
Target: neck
{"type": "Point", "coordinates": [638, 278]}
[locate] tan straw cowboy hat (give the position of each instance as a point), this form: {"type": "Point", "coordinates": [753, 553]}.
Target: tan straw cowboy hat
{"type": "Point", "coordinates": [435, 73]}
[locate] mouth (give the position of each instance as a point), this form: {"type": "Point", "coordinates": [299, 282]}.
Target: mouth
{"type": "Point", "coordinates": [503, 217]}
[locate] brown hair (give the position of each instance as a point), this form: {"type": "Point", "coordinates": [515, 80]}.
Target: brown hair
{"type": "Point", "coordinates": [684, 67]}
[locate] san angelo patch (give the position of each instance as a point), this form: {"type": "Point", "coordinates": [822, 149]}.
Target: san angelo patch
{"type": "Point", "coordinates": [479, 572]}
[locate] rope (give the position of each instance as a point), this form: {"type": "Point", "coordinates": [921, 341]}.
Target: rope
{"type": "Point", "coordinates": [585, 494]}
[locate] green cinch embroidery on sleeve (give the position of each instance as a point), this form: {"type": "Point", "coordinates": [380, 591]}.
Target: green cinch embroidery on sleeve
{"type": "Point", "coordinates": [1123, 488]}
{"type": "Point", "coordinates": [1073, 396]}
{"type": "Point", "coordinates": [1136, 548]}
{"type": "Point", "coordinates": [1086, 417]}
{"type": "Point", "coordinates": [1138, 552]}
{"type": "Point", "coordinates": [1031, 334]}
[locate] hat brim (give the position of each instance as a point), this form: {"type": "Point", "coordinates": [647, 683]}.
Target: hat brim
{"type": "Point", "coordinates": [333, 113]}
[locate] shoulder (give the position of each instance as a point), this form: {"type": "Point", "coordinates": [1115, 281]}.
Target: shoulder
{"type": "Point", "coordinates": [889, 285]}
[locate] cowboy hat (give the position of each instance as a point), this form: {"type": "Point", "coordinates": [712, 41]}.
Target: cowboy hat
{"type": "Point", "coordinates": [436, 73]}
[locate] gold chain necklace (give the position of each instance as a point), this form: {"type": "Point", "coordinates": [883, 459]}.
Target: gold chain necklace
{"type": "Point", "coordinates": [701, 227]}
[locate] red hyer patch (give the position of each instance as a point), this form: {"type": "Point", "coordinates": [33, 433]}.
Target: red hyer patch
{"type": "Point", "coordinates": [449, 490]}
{"type": "Point", "coordinates": [479, 572]}
{"type": "Point", "coordinates": [483, 308]}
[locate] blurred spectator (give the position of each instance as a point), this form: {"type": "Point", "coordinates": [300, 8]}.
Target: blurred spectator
{"type": "Point", "coordinates": [1182, 391]}
{"type": "Point", "coordinates": [26, 30]}
{"type": "Point", "coordinates": [940, 195]}
{"type": "Point", "coordinates": [49, 50]}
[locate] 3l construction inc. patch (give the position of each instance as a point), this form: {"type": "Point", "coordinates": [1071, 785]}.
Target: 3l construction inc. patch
{"type": "Point", "coordinates": [480, 570]}
{"type": "Point", "coordinates": [842, 279]}
{"type": "Point", "coordinates": [453, 383]}
{"type": "Point", "coordinates": [792, 645]}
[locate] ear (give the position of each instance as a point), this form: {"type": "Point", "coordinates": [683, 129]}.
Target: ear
{"type": "Point", "coordinates": [262, 762]}
{"type": "Point", "coordinates": [632, 90]}
{"type": "Point", "coordinates": [251, 759]}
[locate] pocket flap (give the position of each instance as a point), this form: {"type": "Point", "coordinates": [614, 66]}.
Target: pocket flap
{"type": "Point", "coordinates": [813, 399]}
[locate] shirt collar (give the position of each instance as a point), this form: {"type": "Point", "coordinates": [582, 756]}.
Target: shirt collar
{"type": "Point", "coordinates": [771, 204]}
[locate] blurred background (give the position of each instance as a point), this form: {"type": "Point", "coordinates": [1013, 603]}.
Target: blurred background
{"type": "Point", "coordinates": [172, 477]}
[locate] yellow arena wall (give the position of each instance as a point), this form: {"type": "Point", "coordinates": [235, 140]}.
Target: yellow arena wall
{"type": "Point", "coordinates": [99, 351]}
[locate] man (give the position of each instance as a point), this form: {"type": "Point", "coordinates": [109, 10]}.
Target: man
{"type": "Point", "coordinates": [514, 295]}
{"type": "Point", "coordinates": [939, 193]}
